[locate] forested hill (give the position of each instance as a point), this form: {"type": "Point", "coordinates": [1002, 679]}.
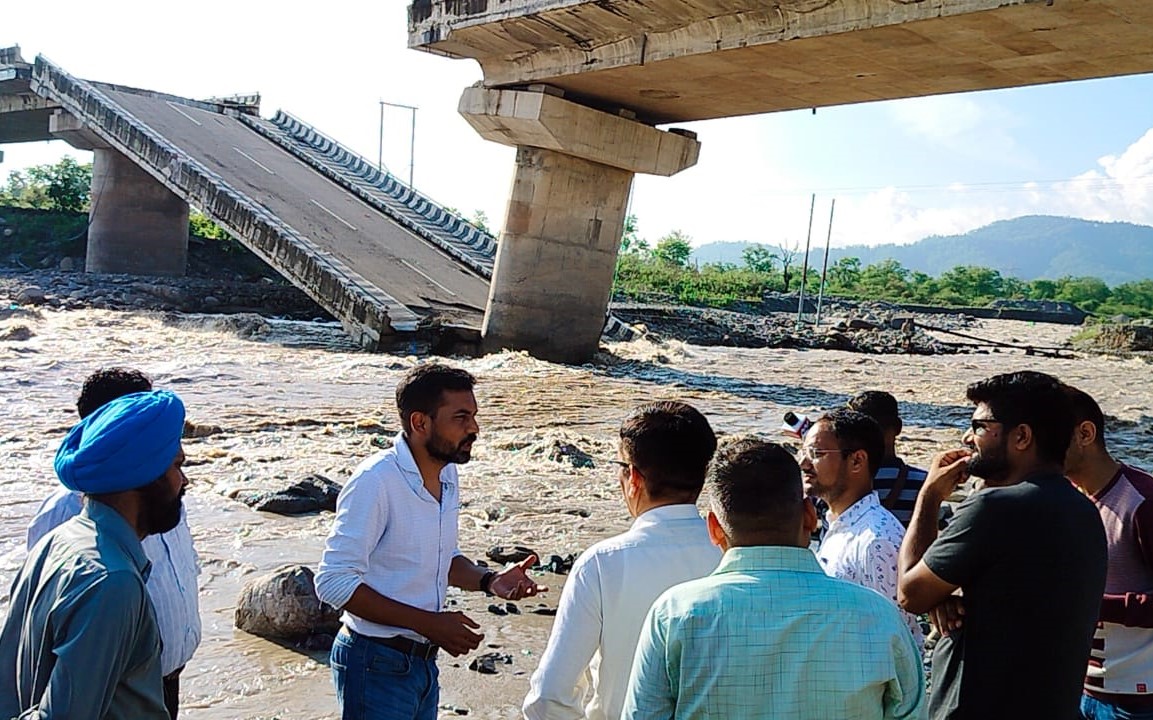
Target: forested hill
{"type": "Point", "coordinates": [1030, 247]}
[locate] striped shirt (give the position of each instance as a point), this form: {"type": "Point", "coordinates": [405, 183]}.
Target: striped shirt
{"type": "Point", "coordinates": [886, 478]}
{"type": "Point", "coordinates": [172, 584]}
{"type": "Point", "coordinates": [769, 635]}
{"type": "Point", "coordinates": [391, 535]}
{"type": "Point", "coordinates": [1121, 663]}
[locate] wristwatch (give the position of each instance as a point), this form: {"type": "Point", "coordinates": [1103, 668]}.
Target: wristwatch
{"type": "Point", "coordinates": [485, 581]}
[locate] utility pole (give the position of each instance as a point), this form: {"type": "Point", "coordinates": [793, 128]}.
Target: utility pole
{"type": "Point", "coordinates": [411, 137]}
{"type": "Point", "coordinates": [805, 265]}
{"type": "Point", "coordinates": [825, 265]}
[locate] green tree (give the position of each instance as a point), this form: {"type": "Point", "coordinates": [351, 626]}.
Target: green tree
{"type": "Point", "coordinates": [973, 283]}
{"type": "Point", "coordinates": [480, 219]}
{"type": "Point", "coordinates": [631, 241]}
{"type": "Point", "coordinates": [674, 249]}
{"type": "Point", "coordinates": [1085, 292]}
{"type": "Point", "coordinates": [65, 185]}
{"type": "Point", "coordinates": [844, 274]}
{"type": "Point", "coordinates": [759, 259]}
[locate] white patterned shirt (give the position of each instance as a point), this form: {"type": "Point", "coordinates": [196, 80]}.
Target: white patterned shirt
{"type": "Point", "coordinates": [172, 583]}
{"type": "Point", "coordinates": [391, 535]}
{"type": "Point", "coordinates": [861, 545]}
{"type": "Point", "coordinates": [602, 612]}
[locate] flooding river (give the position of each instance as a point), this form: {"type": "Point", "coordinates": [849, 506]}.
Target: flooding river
{"type": "Point", "coordinates": [296, 398]}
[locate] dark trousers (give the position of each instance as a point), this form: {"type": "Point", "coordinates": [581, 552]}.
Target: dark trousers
{"type": "Point", "coordinates": [172, 693]}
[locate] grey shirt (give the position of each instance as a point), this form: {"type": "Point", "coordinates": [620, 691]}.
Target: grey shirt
{"type": "Point", "coordinates": [80, 640]}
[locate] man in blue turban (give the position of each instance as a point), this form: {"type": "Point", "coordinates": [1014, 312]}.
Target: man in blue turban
{"type": "Point", "coordinates": [81, 639]}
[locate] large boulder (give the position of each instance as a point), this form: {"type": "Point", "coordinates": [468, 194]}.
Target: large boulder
{"type": "Point", "coordinates": [283, 605]}
{"type": "Point", "coordinates": [311, 494]}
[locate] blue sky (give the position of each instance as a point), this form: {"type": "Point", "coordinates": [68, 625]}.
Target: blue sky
{"type": "Point", "coordinates": [899, 170]}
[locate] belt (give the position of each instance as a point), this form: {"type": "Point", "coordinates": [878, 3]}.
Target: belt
{"type": "Point", "coordinates": [408, 646]}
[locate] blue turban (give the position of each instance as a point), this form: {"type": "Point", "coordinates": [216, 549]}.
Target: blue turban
{"type": "Point", "coordinates": [127, 443]}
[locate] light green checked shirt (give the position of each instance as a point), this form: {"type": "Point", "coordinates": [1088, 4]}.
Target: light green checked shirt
{"type": "Point", "coordinates": [769, 635]}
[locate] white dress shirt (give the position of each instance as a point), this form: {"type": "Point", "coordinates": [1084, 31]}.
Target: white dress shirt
{"type": "Point", "coordinates": [172, 583]}
{"type": "Point", "coordinates": [391, 535]}
{"type": "Point", "coordinates": [861, 545]}
{"type": "Point", "coordinates": [602, 610]}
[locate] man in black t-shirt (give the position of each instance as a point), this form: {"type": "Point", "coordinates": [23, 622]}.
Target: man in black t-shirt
{"type": "Point", "coordinates": [1027, 552]}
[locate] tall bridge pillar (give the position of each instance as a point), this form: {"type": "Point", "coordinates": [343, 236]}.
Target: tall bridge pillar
{"type": "Point", "coordinates": [136, 225]}
{"type": "Point", "coordinates": [554, 269]}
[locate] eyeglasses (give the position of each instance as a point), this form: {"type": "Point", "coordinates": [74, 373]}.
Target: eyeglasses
{"type": "Point", "coordinates": [812, 453]}
{"type": "Point", "coordinates": [979, 426]}
{"type": "Point", "coordinates": [618, 463]}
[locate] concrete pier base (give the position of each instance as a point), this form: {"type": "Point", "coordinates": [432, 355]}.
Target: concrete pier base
{"type": "Point", "coordinates": [136, 226]}
{"type": "Point", "coordinates": [554, 266]}
{"type": "Point", "coordinates": [574, 168]}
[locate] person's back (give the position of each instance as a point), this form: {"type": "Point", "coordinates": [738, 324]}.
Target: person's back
{"type": "Point", "coordinates": [1030, 605]}
{"type": "Point", "coordinates": [787, 642]}
{"type": "Point", "coordinates": [664, 451]}
{"type": "Point", "coordinates": [769, 634]}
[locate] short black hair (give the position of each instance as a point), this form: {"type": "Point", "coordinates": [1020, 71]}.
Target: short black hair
{"type": "Point", "coordinates": [879, 405]}
{"type": "Point", "coordinates": [107, 384]}
{"type": "Point", "coordinates": [756, 487]}
{"type": "Point", "coordinates": [1029, 398]}
{"type": "Point", "coordinates": [1084, 407]}
{"type": "Point", "coordinates": [421, 388]}
{"type": "Point", "coordinates": [671, 443]}
{"type": "Point", "coordinates": [857, 431]}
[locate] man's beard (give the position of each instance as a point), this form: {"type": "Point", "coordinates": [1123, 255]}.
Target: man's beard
{"type": "Point", "coordinates": [160, 514]}
{"type": "Point", "coordinates": [443, 450]}
{"type": "Point", "coordinates": [992, 466]}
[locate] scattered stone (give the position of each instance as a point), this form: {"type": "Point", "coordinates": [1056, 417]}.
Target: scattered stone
{"type": "Point", "coordinates": [512, 608]}
{"type": "Point", "coordinates": [557, 564]}
{"type": "Point", "coordinates": [564, 452]}
{"type": "Point", "coordinates": [543, 611]}
{"type": "Point", "coordinates": [312, 494]}
{"type": "Point", "coordinates": [283, 605]}
{"type": "Point", "coordinates": [210, 301]}
{"type": "Point", "coordinates": [16, 333]}
{"type": "Point", "coordinates": [67, 264]}
{"type": "Point", "coordinates": [497, 610]}
{"type": "Point", "coordinates": [31, 295]}
{"type": "Point", "coordinates": [197, 430]}
{"type": "Point", "coordinates": [509, 554]}
{"type": "Point", "coordinates": [579, 512]}
{"type": "Point", "coordinates": [487, 664]}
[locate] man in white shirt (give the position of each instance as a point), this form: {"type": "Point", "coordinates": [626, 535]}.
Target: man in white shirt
{"type": "Point", "coordinates": [392, 554]}
{"type": "Point", "coordinates": [663, 454]}
{"type": "Point", "coordinates": [172, 583]}
{"type": "Point", "coordinates": [838, 459]}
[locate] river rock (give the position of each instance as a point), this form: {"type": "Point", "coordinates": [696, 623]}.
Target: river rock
{"type": "Point", "coordinates": [283, 605]}
{"type": "Point", "coordinates": [509, 553]}
{"type": "Point", "coordinates": [31, 295]}
{"type": "Point", "coordinates": [311, 494]}
{"type": "Point", "coordinates": [16, 333]}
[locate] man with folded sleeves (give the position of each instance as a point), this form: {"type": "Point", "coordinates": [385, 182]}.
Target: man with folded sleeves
{"type": "Point", "coordinates": [392, 554]}
{"type": "Point", "coordinates": [81, 639]}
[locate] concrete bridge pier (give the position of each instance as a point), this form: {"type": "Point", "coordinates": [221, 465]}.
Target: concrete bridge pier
{"type": "Point", "coordinates": [136, 225]}
{"type": "Point", "coordinates": [554, 267]}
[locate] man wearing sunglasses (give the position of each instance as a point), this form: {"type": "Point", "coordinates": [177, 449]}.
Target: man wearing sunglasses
{"type": "Point", "coordinates": [1027, 552]}
{"type": "Point", "coordinates": [838, 460]}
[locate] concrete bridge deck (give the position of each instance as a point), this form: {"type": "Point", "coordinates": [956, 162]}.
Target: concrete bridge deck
{"type": "Point", "coordinates": [680, 60]}
{"type": "Point", "coordinates": [390, 257]}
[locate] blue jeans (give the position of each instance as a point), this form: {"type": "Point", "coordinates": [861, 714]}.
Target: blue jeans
{"type": "Point", "coordinates": [374, 682]}
{"type": "Point", "coordinates": [1094, 709]}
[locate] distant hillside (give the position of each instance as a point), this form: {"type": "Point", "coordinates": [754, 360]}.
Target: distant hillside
{"type": "Point", "coordinates": [1030, 247]}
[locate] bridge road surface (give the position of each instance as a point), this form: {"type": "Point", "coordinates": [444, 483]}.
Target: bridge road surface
{"type": "Point", "coordinates": [411, 270]}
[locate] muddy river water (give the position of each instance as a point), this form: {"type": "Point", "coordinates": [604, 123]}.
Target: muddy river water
{"type": "Point", "coordinates": [295, 398]}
